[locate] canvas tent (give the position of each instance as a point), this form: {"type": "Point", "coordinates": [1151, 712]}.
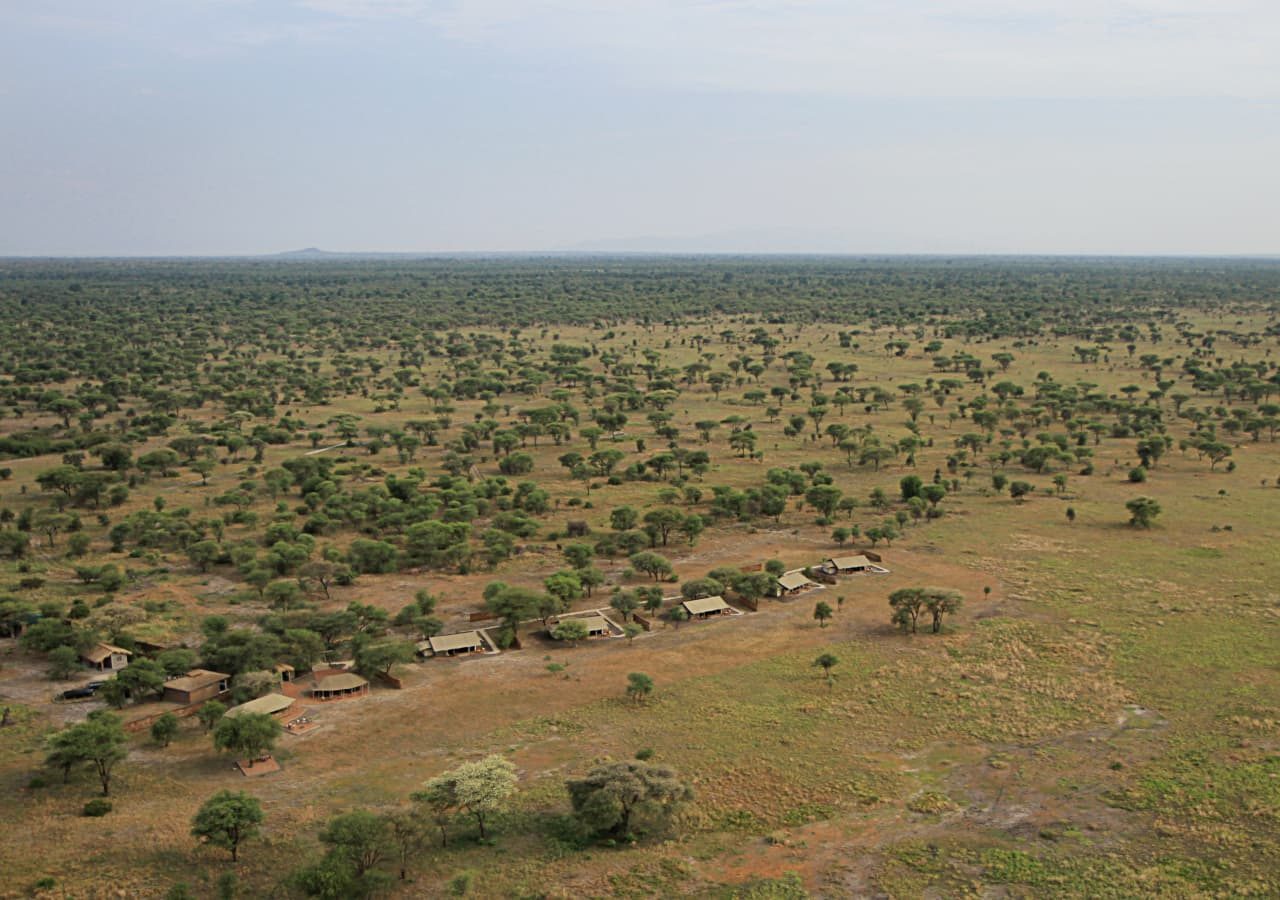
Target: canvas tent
{"type": "Point", "coordinates": [794, 583]}
{"type": "Point", "coordinates": [596, 624]}
{"type": "Point", "coordinates": [453, 644]}
{"type": "Point", "coordinates": [845, 565]}
{"type": "Point", "coordinates": [706, 607]}
{"type": "Point", "coordinates": [344, 684]}
{"type": "Point", "coordinates": [268, 704]}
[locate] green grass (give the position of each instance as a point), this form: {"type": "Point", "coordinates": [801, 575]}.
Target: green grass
{"type": "Point", "coordinates": [1034, 707]}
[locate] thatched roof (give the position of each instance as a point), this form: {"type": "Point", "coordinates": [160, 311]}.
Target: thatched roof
{"type": "Point", "coordinates": [101, 650]}
{"type": "Point", "coordinates": [344, 681]}
{"type": "Point", "coordinates": [268, 704]}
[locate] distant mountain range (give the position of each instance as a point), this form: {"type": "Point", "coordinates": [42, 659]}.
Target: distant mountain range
{"type": "Point", "coordinates": [307, 253]}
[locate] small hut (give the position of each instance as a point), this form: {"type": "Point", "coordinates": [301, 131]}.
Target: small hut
{"type": "Point", "coordinates": [196, 686]}
{"type": "Point", "coordinates": [106, 657]}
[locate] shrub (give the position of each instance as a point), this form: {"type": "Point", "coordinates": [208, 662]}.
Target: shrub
{"type": "Point", "coordinates": [97, 807]}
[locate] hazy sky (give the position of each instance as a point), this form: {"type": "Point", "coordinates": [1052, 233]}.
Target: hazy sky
{"type": "Point", "coordinates": [250, 126]}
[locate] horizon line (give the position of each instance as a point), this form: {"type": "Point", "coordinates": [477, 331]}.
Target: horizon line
{"type": "Point", "coordinates": [317, 255]}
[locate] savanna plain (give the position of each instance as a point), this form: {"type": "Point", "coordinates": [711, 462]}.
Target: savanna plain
{"type": "Point", "coordinates": [1059, 676]}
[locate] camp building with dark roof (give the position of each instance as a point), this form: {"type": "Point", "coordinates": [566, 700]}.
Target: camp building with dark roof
{"type": "Point", "coordinates": [196, 686]}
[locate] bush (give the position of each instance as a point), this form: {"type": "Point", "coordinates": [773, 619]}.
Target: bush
{"type": "Point", "coordinates": [1137, 475]}
{"type": "Point", "coordinates": [460, 884]}
{"type": "Point", "coordinates": [97, 807]}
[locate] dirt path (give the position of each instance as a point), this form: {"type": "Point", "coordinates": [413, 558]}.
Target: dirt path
{"type": "Point", "coordinates": [324, 449]}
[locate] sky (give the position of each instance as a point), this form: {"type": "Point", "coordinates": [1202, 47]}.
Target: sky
{"type": "Point", "coordinates": [214, 127]}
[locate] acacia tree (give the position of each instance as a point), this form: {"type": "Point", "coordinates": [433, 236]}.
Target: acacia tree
{"type": "Point", "coordinates": [99, 741]}
{"type": "Point", "coordinates": [659, 524]}
{"type": "Point", "coordinates": [165, 729]}
{"type": "Point", "coordinates": [571, 630]}
{"type": "Point", "coordinates": [512, 605]}
{"type": "Point", "coordinates": [378, 659]}
{"type": "Point", "coordinates": [827, 662]}
{"type": "Point", "coordinates": [250, 735]}
{"type": "Point", "coordinates": [822, 611]}
{"type": "Point", "coordinates": [478, 789]}
{"type": "Point", "coordinates": [228, 819]}
{"type": "Point", "coordinates": [639, 686]}
{"type": "Point", "coordinates": [408, 831]}
{"type": "Point", "coordinates": [64, 662]}
{"type": "Point", "coordinates": [907, 604]}
{"type": "Point", "coordinates": [824, 498]}
{"type": "Point", "coordinates": [210, 713]}
{"type": "Point", "coordinates": [652, 564]}
{"type": "Point", "coordinates": [437, 799]}
{"type": "Point", "coordinates": [941, 602]}
{"type": "Point", "coordinates": [356, 843]}
{"type": "Point", "coordinates": [650, 598]}
{"type": "Point", "coordinates": [1142, 511]}
{"type": "Point", "coordinates": [625, 602]}
{"type": "Point", "coordinates": [612, 796]}
{"type": "Point", "coordinates": [324, 573]}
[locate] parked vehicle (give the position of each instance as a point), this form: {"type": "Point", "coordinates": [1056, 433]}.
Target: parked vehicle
{"type": "Point", "coordinates": [79, 693]}
{"type": "Point", "coordinates": [82, 692]}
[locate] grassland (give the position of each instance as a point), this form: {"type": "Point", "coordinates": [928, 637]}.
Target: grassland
{"type": "Point", "coordinates": [1101, 719]}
